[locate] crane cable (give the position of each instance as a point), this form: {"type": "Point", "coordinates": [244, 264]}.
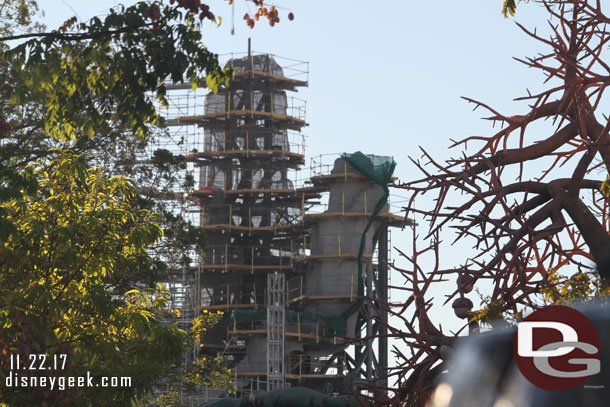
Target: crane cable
{"type": "Point", "coordinates": [233, 18]}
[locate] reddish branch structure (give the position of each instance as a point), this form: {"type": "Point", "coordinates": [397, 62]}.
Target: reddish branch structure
{"type": "Point", "coordinates": [524, 218]}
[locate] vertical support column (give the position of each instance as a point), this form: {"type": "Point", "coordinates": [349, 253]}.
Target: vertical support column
{"type": "Point", "coordinates": [368, 309]}
{"type": "Point", "coordinates": [276, 291]}
{"type": "Point", "coordinates": [382, 295]}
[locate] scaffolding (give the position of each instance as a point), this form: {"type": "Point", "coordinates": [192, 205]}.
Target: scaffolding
{"type": "Point", "coordinates": [283, 266]}
{"type": "Point", "coordinates": [244, 147]}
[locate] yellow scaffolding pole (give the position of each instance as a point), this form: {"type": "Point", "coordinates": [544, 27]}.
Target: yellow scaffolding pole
{"type": "Point", "coordinates": [252, 257]}
{"type": "Point", "coordinates": [230, 216]}
{"type": "Point", "coordinates": [342, 203]}
{"type": "Point", "coordinates": [299, 325]}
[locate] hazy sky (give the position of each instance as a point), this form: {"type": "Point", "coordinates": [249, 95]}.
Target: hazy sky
{"type": "Point", "coordinates": [385, 77]}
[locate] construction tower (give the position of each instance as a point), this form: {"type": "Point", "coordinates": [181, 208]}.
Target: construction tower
{"type": "Point", "coordinates": [292, 276]}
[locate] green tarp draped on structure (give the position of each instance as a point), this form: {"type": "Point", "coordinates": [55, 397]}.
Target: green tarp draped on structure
{"type": "Point", "coordinates": [378, 169]}
{"type": "Point", "coordinates": [239, 315]}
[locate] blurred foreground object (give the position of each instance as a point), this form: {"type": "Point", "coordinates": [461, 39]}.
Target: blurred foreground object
{"type": "Point", "coordinates": [483, 372]}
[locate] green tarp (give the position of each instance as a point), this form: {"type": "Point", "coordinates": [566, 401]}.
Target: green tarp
{"type": "Point", "coordinates": [240, 315]}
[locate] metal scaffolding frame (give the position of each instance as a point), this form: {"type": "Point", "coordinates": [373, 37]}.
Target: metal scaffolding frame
{"type": "Point", "coordinates": [244, 146]}
{"type": "Point", "coordinates": [276, 333]}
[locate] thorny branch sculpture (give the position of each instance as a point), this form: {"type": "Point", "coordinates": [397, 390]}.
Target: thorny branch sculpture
{"type": "Point", "coordinates": [522, 222]}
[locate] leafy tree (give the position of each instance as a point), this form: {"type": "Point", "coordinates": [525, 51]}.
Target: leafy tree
{"type": "Point", "coordinates": [77, 245]}
{"type": "Point", "coordinates": [91, 87]}
{"type": "Point", "coordinates": [76, 238]}
{"type": "Point", "coordinates": [18, 15]}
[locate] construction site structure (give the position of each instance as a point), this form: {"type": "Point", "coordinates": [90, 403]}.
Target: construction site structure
{"type": "Point", "coordinates": [295, 284]}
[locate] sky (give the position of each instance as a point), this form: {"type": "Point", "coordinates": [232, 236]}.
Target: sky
{"type": "Point", "coordinates": [385, 77]}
